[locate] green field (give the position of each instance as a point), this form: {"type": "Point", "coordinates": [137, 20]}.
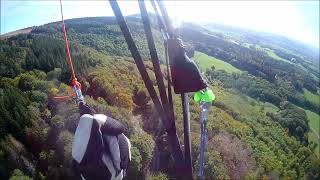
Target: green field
{"type": "Point", "coordinates": [314, 120]}
{"type": "Point", "coordinates": [243, 104]}
{"type": "Point", "coordinates": [276, 57]}
{"type": "Point", "coordinates": [272, 54]}
{"type": "Point", "coordinates": [314, 123]}
{"type": "Point", "coordinates": [206, 61]}
{"type": "Point", "coordinates": [314, 138]}
{"type": "Point", "coordinates": [315, 98]}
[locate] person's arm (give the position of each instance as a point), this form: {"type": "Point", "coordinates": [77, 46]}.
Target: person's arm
{"type": "Point", "coordinates": [125, 153]}
{"type": "Point", "coordinates": [112, 127]}
{"type": "Point", "coordinates": [85, 109]}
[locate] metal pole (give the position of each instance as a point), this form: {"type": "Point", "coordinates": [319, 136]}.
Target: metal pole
{"type": "Point", "coordinates": [202, 150]}
{"type": "Point", "coordinates": [204, 106]}
{"type": "Point", "coordinates": [187, 137]}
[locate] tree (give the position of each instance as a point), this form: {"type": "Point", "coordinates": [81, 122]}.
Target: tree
{"type": "Point", "coordinates": [145, 145]}
{"type": "Point", "coordinates": [18, 175]}
{"type": "Point", "coordinates": [14, 112]}
{"type": "Point", "coordinates": [136, 162]}
{"type": "Point", "coordinates": [294, 119]}
{"type": "Point", "coordinates": [159, 176]}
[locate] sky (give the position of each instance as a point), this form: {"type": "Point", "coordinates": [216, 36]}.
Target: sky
{"type": "Point", "coordinates": [298, 20]}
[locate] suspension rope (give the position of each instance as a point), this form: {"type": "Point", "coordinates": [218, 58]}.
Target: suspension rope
{"type": "Point", "coordinates": [74, 82]}
{"type": "Point", "coordinates": [73, 76]}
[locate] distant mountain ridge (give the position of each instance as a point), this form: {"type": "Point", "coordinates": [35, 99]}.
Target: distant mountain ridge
{"type": "Point", "coordinates": [268, 38]}
{"type": "Point", "coordinates": [16, 32]}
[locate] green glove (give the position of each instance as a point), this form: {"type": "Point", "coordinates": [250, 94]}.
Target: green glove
{"type": "Point", "coordinates": [204, 95]}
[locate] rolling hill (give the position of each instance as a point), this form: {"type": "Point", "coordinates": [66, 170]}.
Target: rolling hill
{"type": "Point", "coordinates": [257, 129]}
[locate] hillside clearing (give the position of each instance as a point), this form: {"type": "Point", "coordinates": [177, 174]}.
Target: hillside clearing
{"type": "Point", "coordinates": [206, 61]}
{"type": "Point", "coordinates": [314, 120]}
{"type": "Point", "coordinates": [315, 98]}
{"type": "Point", "coordinates": [314, 123]}
{"type": "Point", "coordinates": [271, 53]}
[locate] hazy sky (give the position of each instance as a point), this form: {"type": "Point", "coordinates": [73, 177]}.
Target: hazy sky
{"type": "Point", "coordinates": [295, 19]}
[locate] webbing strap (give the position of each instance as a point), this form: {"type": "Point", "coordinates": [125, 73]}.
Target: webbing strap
{"type": "Point", "coordinates": [184, 97]}
{"type": "Point", "coordinates": [165, 36]}
{"type": "Point", "coordinates": [172, 135]}
{"type": "Point", "coordinates": [167, 20]}
{"type": "Point", "coordinates": [160, 21]}
{"type": "Point", "coordinates": [153, 54]}
{"type": "Point", "coordinates": [166, 104]}
{"type": "Point", "coordinates": [169, 78]}
{"type": "Point", "coordinates": [136, 56]}
{"type": "Point", "coordinates": [140, 65]}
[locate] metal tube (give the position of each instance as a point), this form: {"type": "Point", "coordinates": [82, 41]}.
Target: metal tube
{"type": "Point", "coordinates": [202, 150]}
{"type": "Point", "coordinates": [187, 136]}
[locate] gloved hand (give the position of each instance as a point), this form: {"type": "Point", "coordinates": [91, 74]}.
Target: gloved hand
{"type": "Point", "coordinates": [205, 95]}
{"type": "Point", "coordinates": [84, 109]}
{"type": "Point", "coordinates": [205, 98]}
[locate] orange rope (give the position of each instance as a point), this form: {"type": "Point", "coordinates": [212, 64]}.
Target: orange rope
{"type": "Point", "coordinates": [64, 97]}
{"type": "Point", "coordinates": [74, 81]}
{"type": "Point", "coordinates": [73, 76]}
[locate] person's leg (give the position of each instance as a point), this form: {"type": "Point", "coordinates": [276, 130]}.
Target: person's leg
{"type": "Point", "coordinates": [125, 152]}
{"type": "Point", "coordinates": [112, 143]}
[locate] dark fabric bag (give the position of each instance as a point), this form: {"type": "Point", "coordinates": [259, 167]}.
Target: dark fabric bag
{"type": "Point", "coordinates": [186, 76]}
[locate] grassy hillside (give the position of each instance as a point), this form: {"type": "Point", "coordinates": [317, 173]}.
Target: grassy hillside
{"type": "Point", "coordinates": [276, 47]}
{"type": "Point", "coordinates": [206, 61]}
{"type": "Point", "coordinates": [314, 121]}
{"type": "Point", "coordinates": [314, 134]}
{"type": "Point", "coordinates": [313, 97]}
{"type": "Point", "coordinates": [272, 54]}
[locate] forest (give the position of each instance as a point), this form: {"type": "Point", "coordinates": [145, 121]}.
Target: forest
{"type": "Point", "coordinates": [247, 139]}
